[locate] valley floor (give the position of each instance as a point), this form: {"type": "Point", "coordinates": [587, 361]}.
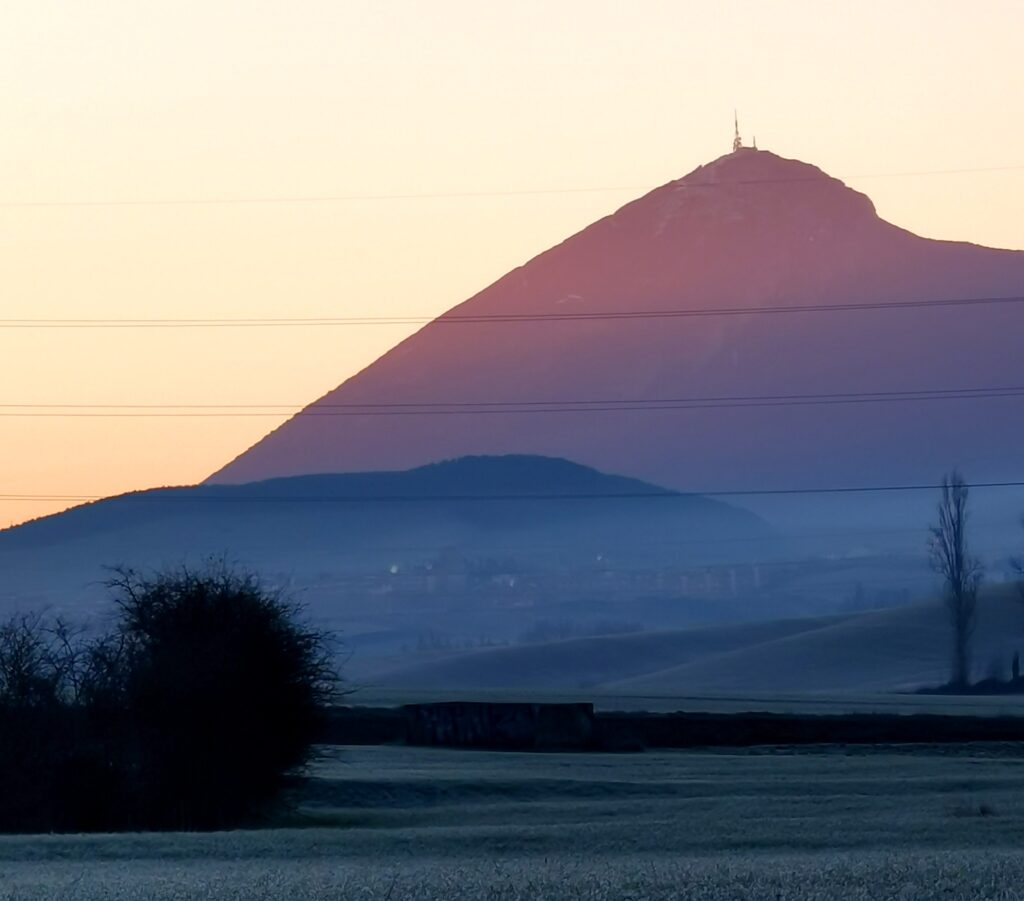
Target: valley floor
{"type": "Point", "coordinates": [397, 823]}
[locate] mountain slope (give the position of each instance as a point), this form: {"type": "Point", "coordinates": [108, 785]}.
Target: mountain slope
{"type": "Point", "coordinates": [749, 230]}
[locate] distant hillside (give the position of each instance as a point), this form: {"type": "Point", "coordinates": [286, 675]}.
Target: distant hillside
{"type": "Point", "coordinates": [314, 530]}
{"type": "Point", "coordinates": [893, 649]}
{"type": "Point", "coordinates": [902, 648]}
{"type": "Point", "coordinates": [495, 493]}
{"type": "Point", "coordinates": [588, 662]}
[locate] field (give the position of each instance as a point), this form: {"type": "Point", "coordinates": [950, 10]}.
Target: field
{"type": "Point", "coordinates": [396, 823]}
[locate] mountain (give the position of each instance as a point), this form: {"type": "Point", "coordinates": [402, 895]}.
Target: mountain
{"type": "Point", "coordinates": [749, 230]}
{"type": "Point", "coordinates": [347, 541]}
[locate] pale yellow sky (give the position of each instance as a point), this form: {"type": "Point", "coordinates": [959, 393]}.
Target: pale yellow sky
{"type": "Point", "coordinates": [129, 101]}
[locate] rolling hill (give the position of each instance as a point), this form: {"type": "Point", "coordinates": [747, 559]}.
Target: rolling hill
{"type": "Point", "coordinates": [903, 648]}
{"type": "Point", "coordinates": [589, 662]}
{"type": "Point", "coordinates": [895, 649]}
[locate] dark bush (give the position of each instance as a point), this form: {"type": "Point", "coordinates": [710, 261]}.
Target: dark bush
{"type": "Point", "coordinates": [192, 713]}
{"type": "Point", "coordinates": [222, 691]}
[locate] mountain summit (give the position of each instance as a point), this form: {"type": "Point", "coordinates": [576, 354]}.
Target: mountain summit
{"type": "Point", "coordinates": [647, 305]}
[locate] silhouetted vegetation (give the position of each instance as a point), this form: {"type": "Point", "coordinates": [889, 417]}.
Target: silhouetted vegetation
{"type": "Point", "coordinates": [1018, 565]}
{"type": "Point", "coordinates": [191, 713]}
{"type": "Point", "coordinates": [44, 754]}
{"type": "Point", "coordinates": [961, 572]}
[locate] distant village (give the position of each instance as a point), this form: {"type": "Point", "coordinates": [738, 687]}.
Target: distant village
{"type": "Point", "coordinates": [451, 580]}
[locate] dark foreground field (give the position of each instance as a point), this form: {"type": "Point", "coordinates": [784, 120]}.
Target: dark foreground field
{"type": "Point", "coordinates": [395, 823]}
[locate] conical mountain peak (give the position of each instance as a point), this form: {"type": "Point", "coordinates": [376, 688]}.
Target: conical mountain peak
{"type": "Point", "coordinates": [642, 305]}
{"type": "Point", "coordinates": [753, 165]}
{"type": "Point", "coordinates": [757, 187]}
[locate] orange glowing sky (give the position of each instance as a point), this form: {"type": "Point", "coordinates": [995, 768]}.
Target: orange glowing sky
{"type": "Point", "coordinates": [117, 101]}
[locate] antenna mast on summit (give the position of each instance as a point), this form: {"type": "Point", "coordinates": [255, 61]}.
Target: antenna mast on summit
{"type": "Point", "coordinates": [737, 141]}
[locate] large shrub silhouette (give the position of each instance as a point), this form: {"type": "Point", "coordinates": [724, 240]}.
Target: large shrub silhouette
{"type": "Point", "coordinates": [192, 712]}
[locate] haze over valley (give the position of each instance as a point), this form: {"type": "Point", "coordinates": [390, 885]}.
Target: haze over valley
{"type": "Point", "coordinates": [753, 329]}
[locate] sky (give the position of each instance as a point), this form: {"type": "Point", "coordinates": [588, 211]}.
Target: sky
{"type": "Point", "coordinates": [335, 158]}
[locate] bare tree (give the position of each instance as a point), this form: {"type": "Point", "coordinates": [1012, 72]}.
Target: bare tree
{"type": "Point", "coordinates": [961, 572]}
{"type": "Point", "coordinates": [1018, 565]}
{"type": "Point", "coordinates": [38, 660]}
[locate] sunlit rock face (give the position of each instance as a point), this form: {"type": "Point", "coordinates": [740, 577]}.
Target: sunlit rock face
{"type": "Point", "coordinates": [749, 230]}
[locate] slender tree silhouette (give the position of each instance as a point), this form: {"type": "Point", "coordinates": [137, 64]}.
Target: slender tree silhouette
{"type": "Point", "coordinates": [960, 571]}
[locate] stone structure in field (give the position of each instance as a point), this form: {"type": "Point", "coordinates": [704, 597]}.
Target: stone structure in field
{"type": "Point", "coordinates": [502, 726]}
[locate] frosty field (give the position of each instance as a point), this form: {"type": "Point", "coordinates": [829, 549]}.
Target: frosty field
{"type": "Point", "coordinates": [394, 822]}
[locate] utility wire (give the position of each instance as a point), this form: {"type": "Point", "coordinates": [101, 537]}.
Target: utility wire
{"type": "Point", "coordinates": [458, 195]}
{"type": "Point", "coordinates": [968, 392]}
{"type": "Point", "coordinates": [491, 408]}
{"type": "Point", "coordinates": [163, 495]}
{"type": "Point", "coordinates": [460, 319]}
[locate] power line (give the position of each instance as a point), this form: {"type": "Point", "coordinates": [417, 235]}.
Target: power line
{"type": "Point", "coordinates": [464, 408]}
{"type": "Point", "coordinates": [459, 195]}
{"type": "Point", "coordinates": [460, 319]}
{"type": "Point", "coordinates": [163, 495]}
{"type": "Point", "coordinates": [517, 403]}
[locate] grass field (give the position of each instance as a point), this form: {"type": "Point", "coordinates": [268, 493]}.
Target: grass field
{"type": "Point", "coordinates": [397, 823]}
